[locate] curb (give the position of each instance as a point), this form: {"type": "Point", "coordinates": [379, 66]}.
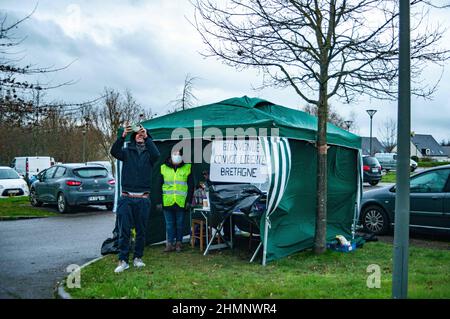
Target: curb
{"type": "Point", "coordinates": [60, 292]}
{"type": "Point", "coordinates": [9, 218]}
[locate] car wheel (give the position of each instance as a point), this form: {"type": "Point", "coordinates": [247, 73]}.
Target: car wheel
{"type": "Point", "coordinates": [109, 206]}
{"type": "Point", "coordinates": [63, 206]}
{"type": "Point", "coordinates": [375, 220]}
{"type": "Point", "coordinates": [33, 199]}
{"type": "Point", "coordinates": [374, 183]}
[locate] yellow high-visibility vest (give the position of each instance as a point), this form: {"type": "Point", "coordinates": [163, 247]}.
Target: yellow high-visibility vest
{"type": "Point", "coordinates": [175, 186]}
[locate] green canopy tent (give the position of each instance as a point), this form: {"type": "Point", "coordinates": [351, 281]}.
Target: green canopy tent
{"type": "Point", "coordinates": [289, 222]}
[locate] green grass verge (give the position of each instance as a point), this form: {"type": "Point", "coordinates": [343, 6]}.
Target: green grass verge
{"type": "Point", "coordinates": [389, 177]}
{"type": "Point", "coordinates": [228, 274]}
{"type": "Point", "coordinates": [432, 164]}
{"type": "Point", "coordinates": [16, 207]}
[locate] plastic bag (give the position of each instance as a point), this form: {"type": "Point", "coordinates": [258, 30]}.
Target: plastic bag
{"type": "Point", "coordinates": [226, 198]}
{"type": "Point", "coordinates": [111, 245]}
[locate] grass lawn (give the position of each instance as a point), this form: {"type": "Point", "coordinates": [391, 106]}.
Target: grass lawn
{"type": "Point", "coordinates": [389, 177]}
{"type": "Point", "coordinates": [228, 274]}
{"type": "Point", "coordinates": [15, 207]}
{"type": "Point", "coordinates": [432, 164]}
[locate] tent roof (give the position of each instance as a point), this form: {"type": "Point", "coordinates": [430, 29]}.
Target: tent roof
{"type": "Point", "coordinates": [247, 113]}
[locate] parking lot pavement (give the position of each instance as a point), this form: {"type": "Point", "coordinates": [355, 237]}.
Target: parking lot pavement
{"type": "Point", "coordinates": [34, 253]}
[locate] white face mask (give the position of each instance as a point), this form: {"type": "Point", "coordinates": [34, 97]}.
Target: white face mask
{"type": "Point", "coordinates": [176, 159]}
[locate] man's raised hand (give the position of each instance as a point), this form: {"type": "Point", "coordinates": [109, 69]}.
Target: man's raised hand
{"type": "Point", "coordinates": [127, 129]}
{"type": "Point", "coordinates": [143, 132]}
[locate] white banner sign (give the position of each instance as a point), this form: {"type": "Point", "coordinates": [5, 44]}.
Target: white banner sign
{"type": "Point", "coordinates": [238, 161]}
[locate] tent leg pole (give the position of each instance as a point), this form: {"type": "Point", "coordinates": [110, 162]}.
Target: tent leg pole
{"type": "Point", "coordinates": [256, 252]}
{"type": "Point", "coordinates": [117, 185]}
{"type": "Point", "coordinates": [358, 196]}
{"type": "Point", "coordinates": [210, 242]}
{"type": "Point", "coordinates": [266, 230]}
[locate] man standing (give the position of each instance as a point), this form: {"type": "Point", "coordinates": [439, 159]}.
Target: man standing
{"type": "Point", "coordinates": [176, 187]}
{"type": "Point", "coordinates": [134, 203]}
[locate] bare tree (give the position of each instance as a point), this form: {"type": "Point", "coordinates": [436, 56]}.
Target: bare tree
{"type": "Point", "coordinates": [388, 134]}
{"type": "Point", "coordinates": [322, 49]}
{"type": "Point", "coordinates": [333, 117]}
{"type": "Point", "coordinates": [187, 98]}
{"type": "Point", "coordinates": [18, 82]}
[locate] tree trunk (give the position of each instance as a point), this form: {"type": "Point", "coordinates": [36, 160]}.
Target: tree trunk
{"type": "Point", "coordinates": [321, 213]}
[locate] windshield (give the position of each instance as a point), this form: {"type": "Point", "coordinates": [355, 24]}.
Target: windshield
{"type": "Point", "coordinates": [8, 174]}
{"type": "Point", "coordinates": [91, 172]}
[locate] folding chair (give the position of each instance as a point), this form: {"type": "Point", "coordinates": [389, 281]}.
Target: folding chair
{"type": "Point", "coordinates": [231, 199]}
{"type": "Point", "coordinates": [252, 217]}
{"type": "Point", "coordinates": [216, 220]}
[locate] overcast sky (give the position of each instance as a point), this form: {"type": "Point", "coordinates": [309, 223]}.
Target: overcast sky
{"type": "Point", "coordinates": [148, 47]}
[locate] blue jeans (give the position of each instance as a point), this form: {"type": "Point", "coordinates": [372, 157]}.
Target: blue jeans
{"type": "Point", "coordinates": [174, 216]}
{"type": "Point", "coordinates": [132, 212]}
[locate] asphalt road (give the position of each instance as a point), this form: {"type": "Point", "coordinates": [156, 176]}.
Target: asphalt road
{"type": "Point", "coordinates": [34, 253]}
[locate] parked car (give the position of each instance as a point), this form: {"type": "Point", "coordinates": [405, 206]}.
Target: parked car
{"type": "Point", "coordinates": [429, 203]}
{"type": "Point", "coordinates": [69, 185]}
{"type": "Point", "coordinates": [412, 164]}
{"type": "Point", "coordinates": [29, 166]}
{"type": "Point", "coordinates": [11, 183]}
{"type": "Point", "coordinates": [371, 170]}
{"type": "Point", "coordinates": [388, 161]}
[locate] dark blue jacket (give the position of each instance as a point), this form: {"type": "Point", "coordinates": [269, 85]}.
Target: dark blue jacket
{"type": "Point", "coordinates": [137, 169]}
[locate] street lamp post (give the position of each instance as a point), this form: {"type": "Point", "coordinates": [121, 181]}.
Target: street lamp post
{"type": "Point", "coordinates": [348, 124]}
{"type": "Point", "coordinates": [84, 137]}
{"type": "Point", "coordinates": [402, 200]}
{"type": "Point", "coordinates": [371, 114]}
{"type": "Point", "coordinates": [84, 144]}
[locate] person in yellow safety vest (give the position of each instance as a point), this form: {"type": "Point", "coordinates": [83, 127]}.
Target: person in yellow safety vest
{"type": "Point", "coordinates": [176, 187]}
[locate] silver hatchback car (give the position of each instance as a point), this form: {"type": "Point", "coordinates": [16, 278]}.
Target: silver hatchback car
{"type": "Point", "coordinates": [69, 185]}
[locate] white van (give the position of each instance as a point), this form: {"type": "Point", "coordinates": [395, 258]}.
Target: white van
{"type": "Point", "coordinates": [388, 161]}
{"type": "Point", "coordinates": [28, 166]}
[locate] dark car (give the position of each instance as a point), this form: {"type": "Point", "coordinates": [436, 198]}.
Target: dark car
{"type": "Point", "coordinates": [371, 170]}
{"type": "Point", "coordinates": [69, 185]}
{"type": "Point", "coordinates": [429, 203]}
